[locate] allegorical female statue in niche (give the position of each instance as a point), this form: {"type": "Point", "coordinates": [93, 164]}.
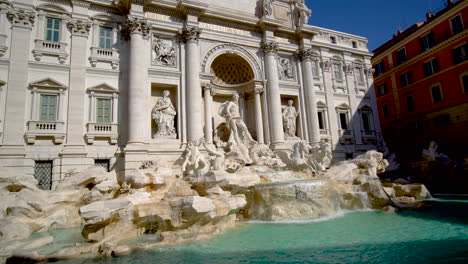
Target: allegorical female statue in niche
{"type": "Point", "coordinates": [163, 114]}
{"type": "Point", "coordinates": [289, 120]}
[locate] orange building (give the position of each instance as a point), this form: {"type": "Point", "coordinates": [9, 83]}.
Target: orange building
{"type": "Point", "coordinates": [421, 82]}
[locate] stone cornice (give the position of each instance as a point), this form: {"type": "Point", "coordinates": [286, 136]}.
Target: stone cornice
{"type": "Point", "coordinates": [81, 3]}
{"type": "Point", "coordinates": [21, 17]}
{"type": "Point", "coordinates": [190, 34]}
{"type": "Point", "coordinates": [79, 27]}
{"type": "Point", "coordinates": [270, 47]}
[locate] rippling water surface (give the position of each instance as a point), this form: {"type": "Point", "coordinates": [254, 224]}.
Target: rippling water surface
{"type": "Point", "coordinates": [438, 234]}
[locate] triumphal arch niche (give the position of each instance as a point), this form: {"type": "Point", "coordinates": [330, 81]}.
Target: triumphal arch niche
{"type": "Point", "coordinates": [232, 96]}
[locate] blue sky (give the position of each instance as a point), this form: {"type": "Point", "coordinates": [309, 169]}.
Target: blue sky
{"type": "Point", "coordinates": [376, 20]}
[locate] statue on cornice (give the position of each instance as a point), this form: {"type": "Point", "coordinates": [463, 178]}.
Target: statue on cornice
{"type": "Point", "coordinates": [163, 114]}
{"type": "Point", "coordinates": [303, 13]}
{"type": "Point", "coordinates": [267, 8]}
{"type": "Point", "coordinates": [237, 128]}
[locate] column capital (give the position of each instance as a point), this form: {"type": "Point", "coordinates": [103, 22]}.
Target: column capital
{"type": "Point", "coordinates": [258, 90]}
{"type": "Point", "coordinates": [21, 18]}
{"type": "Point", "coordinates": [136, 25]}
{"type": "Point", "coordinates": [369, 71]}
{"type": "Point", "coordinates": [190, 34]}
{"type": "Point", "coordinates": [79, 27]}
{"type": "Point", "coordinates": [348, 68]}
{"type": "Point", "coordinates": [270, 47]}
{"type": "Point", "coordinates": [326, 64]}
{"type": "Point", "coordinates": [208, 87]}
{"type": "Point", "coordinates": [307, 54]}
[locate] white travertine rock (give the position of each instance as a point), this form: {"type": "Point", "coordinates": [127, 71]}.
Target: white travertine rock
{"type": "Point", "coordinates": [197, 205]}
{"type": "Point", "coordinates": [142, 178]}
{"type": "Point", "coordinates": [102, 210]}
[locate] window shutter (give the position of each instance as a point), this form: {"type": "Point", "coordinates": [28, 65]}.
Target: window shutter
{"type": "Point", "coordinates": [52, 107]}
{"type": "Point", "coordinates": [106, 111]}
{"type": "Point", "coordinates": [43, 113]}
{"type": "Point", "coordinates": [435, 65]}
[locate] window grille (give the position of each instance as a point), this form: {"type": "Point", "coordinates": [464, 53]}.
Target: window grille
{"type": "Point", "coordinates": [43, 174]}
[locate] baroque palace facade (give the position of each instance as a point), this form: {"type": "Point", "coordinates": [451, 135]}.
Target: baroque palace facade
{"type": "Point", "coordinates": [116, 83]}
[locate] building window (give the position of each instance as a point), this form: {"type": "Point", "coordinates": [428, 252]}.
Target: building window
{"type": "Point", "coordinates": [385, 111]}
{"type": "Point", "coordinates": [103, 111]}
{"type": "Point", "coordinates": [354, 43]}
{"type": "Point", "coordinates": [104, 163]}
{"type": "Point", "coordinates": [315, 68]}
{"type": "Point", "coordinates": [401, 55]}
{"type": "Point", "coordinates": [105, 38]}
{"type": "Point", "coordinates": [337, 71]}
{"type": "Point", "coordinates": [43, 174]}
{"type": "Point", "coordinates": [436, 92]}
{"type": "Point", "coordinates": [410, 103]}
{"type": "Point", "coordinates": [52, 29]}
{"type": "Point", "coordinates": [405, 79]}
{"type": "Point", "coordinates": [460, 53]}
{"type": "Point", "coordinates": [343, 121]}
{"type": "Point", "coordinates": [321, 119]}
{"type": "Point", "coordinates": [358, 72]}
{"type": "Point", "coordinates": [379, 68]}
{"type": "Point", "coordinates": [382, 89]}
{"type": "Point", "coordinates": [333, 39]}
{"type": "Point", "coordinates": [457, 24]}
{"type": "Point", "coordinates": [48, 107]}
{"type": "Point", "coordinates": [365, 121]}
{"type": "Point", "coordinates": [464, 82]}
{"type": "Point", "coordinates": [431, 67]}
{"type": "Point", "coordinates": [427, 41]}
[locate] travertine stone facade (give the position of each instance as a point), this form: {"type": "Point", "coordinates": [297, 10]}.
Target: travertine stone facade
{"type": "Point", "coordinates": [79, 79]}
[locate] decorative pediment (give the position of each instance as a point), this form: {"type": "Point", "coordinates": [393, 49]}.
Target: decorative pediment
{"type": "Point", "coordinates": [103, 88]}
{"type": "Point", "coordinates": [53, 9]}
{"type": "Point", "coordinates": [48, 83]}
{"type": "Point", "coordinates": [321, 104]}
{"type": "Point", "coordinates": [343, 106]}
{"type": "Point", "coordinates": [365, 108]}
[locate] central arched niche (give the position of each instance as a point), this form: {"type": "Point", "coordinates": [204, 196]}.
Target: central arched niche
{"type": "Point", "coordinates": [232, 74]}
{"type": "Point", "coordinates": [231, 70]}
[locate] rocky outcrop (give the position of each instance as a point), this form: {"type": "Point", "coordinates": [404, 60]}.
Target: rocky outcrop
{"type": "Point", "coordinates": [153, 200]}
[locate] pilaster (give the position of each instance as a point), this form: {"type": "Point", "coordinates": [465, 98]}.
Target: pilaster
{"type": "Point", "coordinates": [22, 22]}
{"type": "Point", "coordinates": [74, 152]}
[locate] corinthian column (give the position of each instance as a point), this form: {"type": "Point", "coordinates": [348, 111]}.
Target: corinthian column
{"type": "Point", "coordinates": [273, 93]}
{"type": "Point", "coordinates": [138, 30]}
{"type": "Point", "coordinates": [309, 95]}
{"type": "Point", "coordinates": [192, 85]}
{"type": "Point", "coordinates": [258, 114]}
{"type": "Point", "coordinates": [208, 95]}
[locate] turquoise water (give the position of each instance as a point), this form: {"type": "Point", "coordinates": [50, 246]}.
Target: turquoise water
{"type": "Point", "coordinates": [438, 234]}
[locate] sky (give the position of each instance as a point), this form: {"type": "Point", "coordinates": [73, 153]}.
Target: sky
{"type": "Point", "coordinates": [376, 20]}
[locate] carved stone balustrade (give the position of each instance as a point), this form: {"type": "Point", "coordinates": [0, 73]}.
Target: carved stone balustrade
{"type": "Point", "coordinates": [346, 136]}
{"type": "Point", "coordinates": [104, 55]}
{"type": "Point", "coordinates": [54, 129]}
{"type": "Point", "coordinates": [100, 130]}
{"type": "Point", "coordinates": [50, 48]}
{"type": "Point", "coordinates": [369, 136]}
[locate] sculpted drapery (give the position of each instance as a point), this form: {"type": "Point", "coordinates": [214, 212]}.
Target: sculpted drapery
{"type": "Point", "coordinates": [163, 114]}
